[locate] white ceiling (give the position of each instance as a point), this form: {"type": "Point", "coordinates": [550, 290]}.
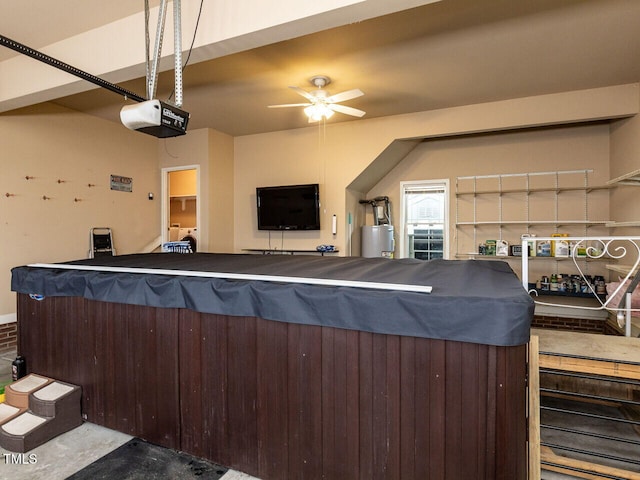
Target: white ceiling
{"type": "Point", "coordinates": [451, 53]}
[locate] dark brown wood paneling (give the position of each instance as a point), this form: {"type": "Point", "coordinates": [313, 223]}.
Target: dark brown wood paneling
{"type": "Point", "coordinates": [340, 403]}
{"type": "Point", "coordinates": [294, 426]}
{"type": "Point", "coordinates": [365, 406]}
{"type": "Point", "coordinates": [409, 445]}
{"type": "Point", "coordinates": [215, 376]}
{"type": "Point", "coordinates": [287, 401]}
{"type": "Point", "coordinates": [191, 385]}
{"type": "Point", "coordinates": [436, 409]}
{"type": "Point", "coordinates": [166, 360]}
{"type": "Point", "coordinates": [272, 397]}
{"type": "Point", "coordinates": [242, 392]}
{"type": "Point", "coordinates": [309, 407]}
{"type": "Point", "coordinates": [352, 469]}
{"type": "Point", "coordinates": [124, 357]}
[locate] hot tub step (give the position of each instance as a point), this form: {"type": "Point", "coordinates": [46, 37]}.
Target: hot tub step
{"type": "Point", "coordinates": [17, 393]}
{"type": "Point", "coordinates": [7, 412]}
{"type": "Point", "coordinates": [25, 432]}
{"type": "Point", "coordinates": [56, 399]}
{"type": "Point", "coordinates": [53, 409]}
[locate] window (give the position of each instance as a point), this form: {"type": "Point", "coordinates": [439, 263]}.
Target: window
{"type": "Point", "coordinates": [424, 219]}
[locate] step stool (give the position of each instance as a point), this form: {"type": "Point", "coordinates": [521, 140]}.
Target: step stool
{"type": "Point", "coordinates": [53, 409]}
{"type": "Point", "coordinates": [7, 412]}
{"type": "Point", "coordinates": [57, 399]}
{"type": "Point", "coordinates": [17, 393]}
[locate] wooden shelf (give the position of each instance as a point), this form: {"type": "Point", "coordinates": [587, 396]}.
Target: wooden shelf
{"type": "Point", "coordinates": [287, 251]}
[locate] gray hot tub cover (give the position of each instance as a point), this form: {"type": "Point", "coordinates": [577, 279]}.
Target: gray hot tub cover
{"type": "Point", "coordinates": [471, 301]}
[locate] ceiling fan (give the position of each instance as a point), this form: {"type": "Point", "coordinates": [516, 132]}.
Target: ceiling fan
{"type": "Point", "coordinates": [321, 104]}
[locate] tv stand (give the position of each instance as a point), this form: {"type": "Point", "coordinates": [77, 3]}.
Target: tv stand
{"type": "Point", "coordinates": [277, 251]}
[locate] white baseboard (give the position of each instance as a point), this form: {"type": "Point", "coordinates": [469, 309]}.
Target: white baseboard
{"type": "Point", "coordinates": [8, 318]}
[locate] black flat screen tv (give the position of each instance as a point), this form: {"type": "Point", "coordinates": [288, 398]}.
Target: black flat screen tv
{"type": "Point", "coordinates": [288, 207]}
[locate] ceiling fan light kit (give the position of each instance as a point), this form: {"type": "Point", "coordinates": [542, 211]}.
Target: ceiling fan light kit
{"type": "Point", "coordinates": [317, 112]}
{"type": "Point", "coordinates": [321, 105]}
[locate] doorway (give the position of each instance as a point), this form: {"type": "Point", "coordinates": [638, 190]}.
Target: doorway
{"type": "Point", "coordinates": [181, 205]}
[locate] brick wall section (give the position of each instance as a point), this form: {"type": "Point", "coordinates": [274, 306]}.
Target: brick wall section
{"type": "Point", "coordinates": [8, 337]}
{"type": "Point", "coordinates": [583, 325]}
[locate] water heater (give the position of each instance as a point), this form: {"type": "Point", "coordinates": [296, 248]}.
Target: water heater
{"type": "Point", "coordinates": [377, 241]}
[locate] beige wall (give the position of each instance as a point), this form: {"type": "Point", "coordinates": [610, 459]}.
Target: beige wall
{"type": "Point", "coordinates": [221, 181]}
{"type": "Point", "coordinates": [183, 213]}
{"type": "Point", "coordinates": [565, 148]}
{"type": "Point", "coordinates": [51, 143]}
{"type": "Point", "coordinates": [212, 152]}
{"type": "Point", "coordinates": [337, 154]}
{"type": "Point", "coordinates": [514, 152]}
{"type": "Point", "coordinates": [182, 183]}
{"type": "Point", "coordinates": [182, 210]}
{"type": "Point", "coordinates": [625, 158]}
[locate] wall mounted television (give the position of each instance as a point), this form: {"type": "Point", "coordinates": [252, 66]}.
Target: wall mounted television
{"type": "Point", "coordinates": [288, 207]}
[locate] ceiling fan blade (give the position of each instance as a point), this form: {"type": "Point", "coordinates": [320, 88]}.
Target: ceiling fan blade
{"type": "Point", "coordinates": [344, 96]}
{"type": "Point", "coordinates": [285, 105]}
{"type": "Point", "coordinates": [304, 93]}
{"type": "Point", "coordinates": [346, 110]}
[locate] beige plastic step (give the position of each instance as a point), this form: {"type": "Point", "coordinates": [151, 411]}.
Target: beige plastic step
{"type": "Point", "coordinates": [25, 432]}
{"type": "Point", "coordinates": [23, 424]}
{"type": "Point", "coordinates": [56, 399]}
{"type": "Point", "coordinates": [53, 409]}
{"type": "Point", "coordinates": [7, 412]}
{"type": "Point", "coordinates": [17, 393]}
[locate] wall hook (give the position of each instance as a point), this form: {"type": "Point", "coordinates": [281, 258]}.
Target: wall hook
{"type": "Point", "coordinates": [29, 177]}
{"type": "Point", "coordinates": [44, 197]}
{"type": "Point", "coordinates": [9, 194]}
{"type": "Point", "coordinates": [77, 200]}
{"type": "Point", "coordinates": [62, 181]}
{"type": "Point", "coordinates": [91, 185]}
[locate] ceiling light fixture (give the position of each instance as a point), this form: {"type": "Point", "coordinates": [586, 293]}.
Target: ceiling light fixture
{"type": "Point", "coordinates": [321, 105]}
{"type": "Point", "coordinates": [318, 111]}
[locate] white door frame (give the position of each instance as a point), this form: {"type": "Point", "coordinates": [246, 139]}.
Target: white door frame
{"type": "Point", "coordinates": [164, 210]}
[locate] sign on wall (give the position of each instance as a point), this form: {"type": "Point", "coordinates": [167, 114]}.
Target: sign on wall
{"type": "Point", "coordinates": [121, 184]}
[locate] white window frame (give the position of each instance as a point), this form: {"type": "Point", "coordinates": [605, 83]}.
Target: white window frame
{"type": "Point", "coordinates": [425, 184]}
